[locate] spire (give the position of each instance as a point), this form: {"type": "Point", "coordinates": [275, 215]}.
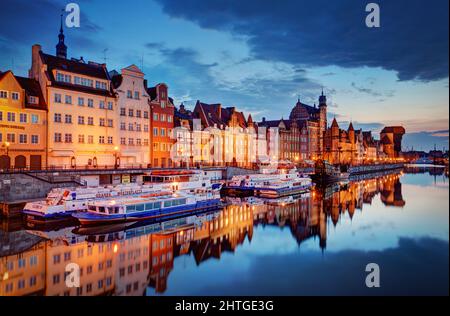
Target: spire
{"type": "Point", "coordinates": [322, 99]}
{"type": "Point", "coordinates": [61, 48]}
{"type": "Point", "coordinates": [334, 124]}
{"type": "Point", "coordinates": [350, 127]}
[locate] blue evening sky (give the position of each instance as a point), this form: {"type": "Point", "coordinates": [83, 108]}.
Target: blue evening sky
{"type": "Point", "coordinates": [261, 55]}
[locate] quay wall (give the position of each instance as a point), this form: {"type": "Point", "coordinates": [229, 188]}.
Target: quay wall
{"type": "Point", "coordinates": [354, 170]}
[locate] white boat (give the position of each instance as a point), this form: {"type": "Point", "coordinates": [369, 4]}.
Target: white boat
{"type": "Point", "coordinates": [135, 209]}
{"type": "Point", "coordinates": [62, 202]}
{"type": "Point", "coordinates": [270, 184]}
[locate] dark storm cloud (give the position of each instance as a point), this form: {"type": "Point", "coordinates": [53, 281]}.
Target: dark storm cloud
{"type": "Point", "coordinates": [412, 40]}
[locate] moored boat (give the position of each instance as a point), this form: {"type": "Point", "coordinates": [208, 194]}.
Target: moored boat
{"type": "Point", "coordinates": [146, 207]}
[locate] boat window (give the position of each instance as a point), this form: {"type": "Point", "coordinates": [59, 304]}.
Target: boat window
{"type": "Point", "coordinates": [92, 208]}
{"type": "Point", "coordinates": [140, 207]}
{"type": "Point", "coordinates": [167, 203]}
{"type": "Point", "coordinates": [131, 208]}
{"type": "Point", "coordinates": [149, 206]}
{"type": "Point", "coordinates": [101, 209]}
{"type": "Point", "coordinates": [182, 202]}
{"type": "Point", "coordinates": [157, 205]}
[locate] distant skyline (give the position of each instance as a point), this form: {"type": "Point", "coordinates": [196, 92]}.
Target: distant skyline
{"type": "Point", "coordinates": [260, 56]}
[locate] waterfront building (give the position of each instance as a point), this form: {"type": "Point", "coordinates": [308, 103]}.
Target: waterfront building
{"type": "Point", "coordinates": [343, 146]}
{"type": "Point", "coordinates": [133, 120]}
{"type": "Point", "coordinates": [23, 122]}
{"type": "Point", "coordinates": [82, 108]}
{"type": "Point", "coordinates": [391, 141]}
{"type": "Point", "coordinates": [162, 113]}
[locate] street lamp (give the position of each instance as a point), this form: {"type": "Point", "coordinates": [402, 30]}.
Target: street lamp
{"type": "Point", "coordinates": [7, 144]}
{"type": "Point", "coordinates": [116, 151]}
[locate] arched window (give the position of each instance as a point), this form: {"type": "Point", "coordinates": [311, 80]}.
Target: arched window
{"type": "Point", "coordinates": [20, 162]}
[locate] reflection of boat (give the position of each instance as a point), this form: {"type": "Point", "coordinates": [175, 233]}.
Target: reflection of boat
{"type": "Point", "coordinates": [283, 201]}
{"type": "Point", "coordinates": [145, 208]}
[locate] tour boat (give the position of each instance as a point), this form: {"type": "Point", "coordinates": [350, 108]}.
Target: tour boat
{"type": "Point", "coordinates": [270, 185]}
{"type": "Point", "coordinates": [283, 187]}
{"type": "Point", "coordinates": [145, 207]}
{"type": "Point", "coordinates": [61, 203]}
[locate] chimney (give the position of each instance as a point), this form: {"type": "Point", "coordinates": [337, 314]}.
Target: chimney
{"type": "Point", "coordinates": [263, 119]}
{"type": "Point", "coordinates": [35, 62]}
{"type": "Point", "coordinates": [219, 111]}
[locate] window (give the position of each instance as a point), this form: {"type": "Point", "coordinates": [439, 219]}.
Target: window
{"type": "Point", "coordinates": [1, 116]}
{"type": "Point", "coordinates": [110, 140]}
{"type": "Point", "coordinates": [34, 118]}
{"type": "Point", "coordinates": [81, 120]}
{"type": "Point", "coordinates": [110, 105]}
{"type": "Point", "coordinates": [90, 139]}
{"type": "Point", "coordinates": [32, 281]}
{"type": "Point", "coordinates": [163, 104]}
{"type": "Point", "coordinates": [130, 141]}
{"type": "Point", "coordinates": [169, 118]}
{"type": "Point", "coordinates": [138, 113]}
{"type": "Point", "coordinates": [155, 146]}
{"type": "Point", "coordinates": [57, 98]}
{"type": "Point", "coordinates": [163, 147]}
{"type": "Point", "coordinates": [130, 127]}
{"type": "Point", "coordinates": [3, 94]}
{"type": "Point", "coordinates": [58, 138]}
{"type": "Point", "coordinates": [81, 139]}
{"type": "Point", "coordinates": [90, 120]}
{"type": "Point", "coordinates": [34, 139]}
{"type": "Point", "coordinates": [122, 141]}
{"type": "Point", "coordinates": [101, 139]}
{"type": "Point", "coordinates": [67, 256]}
{"type": "Point", "coordinates": [68, 99]}
{"type": "Point", "coordinates": [102, 122]}
{"type": "Point", "coordinates": [155, 117]}
{"type": "Point", "coordinates": [138, 142]}
{"type": "Point", "coordinates": [138, 127]}
{"type": "Point", "coordinates": [33, 99]}
{"type": "Point", "coordinates": [163, 132]}
{"type": "Point", "coordinates": [123, 126]}
{"type": "Point", "coordinates": [22, 139]}
{"type": "Point", "coordinates": [68, 119]}
{"type": "Point", "coordinates": [101, 104]}
{"type": "Point", "coordinates": [1, 137]}
{"type": "Point", "coordinates": [122, 112]}
{"type": "Point", "coordinates": [146, 142]}
{"type": "Point", "coordinates": [68, 138]}
{"type": "Point", "coordinates": [90, 103]}
{"type": "Point", "coordinates": [57, 118]}
{"type": "Point", "coordinates": [84, 82]}
{"type": "Point", "coordinates": [11, 138]}
{"type": "Point", "coordinates": [146, 114]}
{"type": "Point", "coordinates": [23, 117]}
{"type": "Point", "coordinates": [15, 96]}
{"type": "Point", "coordinates": [11, 117]}
{"type": "Point", "coordinates": [145, 128]}
{"type": "Point", "coordinates": [129, 94]}
{"type": "Point", "coordinates": [110, 123]}
{"type": "Point", "coordinates": [81, 101]}
{"type": "Point", "coordinates": [163, 117]}
{"type": "Point", "coordinates": [63, 78]}
{"type": "Point", "coordinates": [155, 131]}
{"type": "Point", "coordinates": [100, 85]}
{"type": "Point", "coordinates": [136, 95]}
{"type": "Point", "coordinates": [130, 112]}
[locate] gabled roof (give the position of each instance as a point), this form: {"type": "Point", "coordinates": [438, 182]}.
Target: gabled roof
{"type": "Point", "coordinates": [216, 114]}
{"type": "Point", "coordinates": [79, 67]}
{"type": "Point", "coordinates": [32, 88]}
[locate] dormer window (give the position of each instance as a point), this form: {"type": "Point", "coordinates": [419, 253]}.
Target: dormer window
{"type": "Point", "coordinates": [33, 100]}
{"type": "Point", "coordinates": [100, 85]}
{"type": "Point", "coordinates": [63, 78]}
{"type": "Point", "coordinates": [129, 94]}
{"type": "Point", "coordinates": [136, 95]}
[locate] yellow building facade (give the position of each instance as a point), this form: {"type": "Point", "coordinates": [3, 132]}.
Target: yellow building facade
{"type": "Point", "coordinates": [23, 122]}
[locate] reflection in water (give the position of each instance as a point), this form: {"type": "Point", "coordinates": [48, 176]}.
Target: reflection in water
{"type": "Point", "coordinates": [140, 258]}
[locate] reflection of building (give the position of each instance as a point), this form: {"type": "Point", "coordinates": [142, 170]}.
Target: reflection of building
{"type": "Point", "coordinates": [23, 123]}
{"type": "Point", "coordinates": [391, 191]}
{"type": "Point", "coordinates": [161, 260]}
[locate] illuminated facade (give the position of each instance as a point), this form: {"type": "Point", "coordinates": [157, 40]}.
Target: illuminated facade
{"type": "Point", "coordinates": [23, 120]}
{"type": "Point", "coordinates": [134, 117]}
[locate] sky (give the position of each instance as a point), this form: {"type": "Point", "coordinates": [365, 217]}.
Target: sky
{"type": "Point", "coordinates": [263, 55]}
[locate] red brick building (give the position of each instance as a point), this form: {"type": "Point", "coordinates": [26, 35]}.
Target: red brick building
{"type": "Point", "coordinates": [162, 123]}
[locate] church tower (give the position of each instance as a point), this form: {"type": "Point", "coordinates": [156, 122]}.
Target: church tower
{"type": "Point", "coordinates": [322, 120]}
{"type": "Point", "coordinates": [61, 48]}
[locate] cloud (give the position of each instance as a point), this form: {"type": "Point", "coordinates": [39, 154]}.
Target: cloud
{"type": "Point", "coordinates": [426, 140]}
{"type": "Point", "coordinates": [412, 39]}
